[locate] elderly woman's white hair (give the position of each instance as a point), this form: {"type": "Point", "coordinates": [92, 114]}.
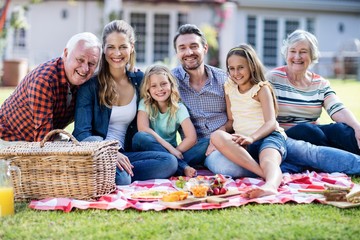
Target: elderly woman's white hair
{"type": "Point", "coordinates": [298, 36]}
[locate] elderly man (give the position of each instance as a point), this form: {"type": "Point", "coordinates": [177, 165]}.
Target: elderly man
{"type": "Point", "coordinates": [45, 99]}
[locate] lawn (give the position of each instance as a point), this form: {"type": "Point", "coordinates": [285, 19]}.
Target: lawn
{"type": "Point", "coordinates": [253, 221]}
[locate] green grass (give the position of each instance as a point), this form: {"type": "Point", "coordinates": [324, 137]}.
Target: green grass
{"type": "Point", "coordinates": [252, 221]}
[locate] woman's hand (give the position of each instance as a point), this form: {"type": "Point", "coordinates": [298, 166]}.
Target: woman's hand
{"type": "Point", "coordinates": [123, 163]}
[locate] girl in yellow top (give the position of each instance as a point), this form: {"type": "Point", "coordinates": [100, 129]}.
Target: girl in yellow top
{"type": "Point", "coordinates": [258, 144]}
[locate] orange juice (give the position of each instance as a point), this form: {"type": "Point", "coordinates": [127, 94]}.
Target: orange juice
{"type": "Point", "coordinates": [6, 201]}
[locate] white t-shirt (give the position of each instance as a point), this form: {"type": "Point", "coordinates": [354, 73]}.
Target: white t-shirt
{"type": "Point", "coordinates": [121, 117]}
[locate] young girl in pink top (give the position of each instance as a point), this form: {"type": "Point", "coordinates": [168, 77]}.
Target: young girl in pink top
{"type": "Point", "coordinates": [258, 143]}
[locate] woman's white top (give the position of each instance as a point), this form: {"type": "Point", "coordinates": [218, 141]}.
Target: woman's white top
{"type": "Point", "coordinates": [120, 119]}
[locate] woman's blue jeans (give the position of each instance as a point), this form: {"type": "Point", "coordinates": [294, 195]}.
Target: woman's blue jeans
{"type": "Point", "coordinates": [337, 135]}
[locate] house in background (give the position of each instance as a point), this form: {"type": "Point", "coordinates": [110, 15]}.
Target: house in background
{"type": "Point", "coordinates": [50, 25]}
{"type": "Point", "coordinates": [262, 23]}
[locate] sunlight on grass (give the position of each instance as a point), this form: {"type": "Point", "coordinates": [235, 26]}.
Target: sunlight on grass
{"type": "Point", "coordinates": [348, 91]}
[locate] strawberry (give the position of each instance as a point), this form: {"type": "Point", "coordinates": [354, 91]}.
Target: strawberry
{"type": "Point", "coordinates": [210, 192]}
{"type": "Point", "coordinates": [222, 190]}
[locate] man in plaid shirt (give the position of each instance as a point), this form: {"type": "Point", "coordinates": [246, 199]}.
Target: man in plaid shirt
{"type": "Point", "coordinates": [45, 99]}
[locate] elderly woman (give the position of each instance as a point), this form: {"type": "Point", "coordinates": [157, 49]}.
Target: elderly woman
{"type": "Point", "coordinates": [302, 94]}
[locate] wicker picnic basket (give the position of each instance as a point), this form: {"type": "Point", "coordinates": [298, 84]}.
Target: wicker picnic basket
{"type": "Point", "coordinates": [80, 170]}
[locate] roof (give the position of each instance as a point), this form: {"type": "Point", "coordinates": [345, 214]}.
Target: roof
{"type": "Point", "coordinates": [352, 6]}
{"type": "Point", "coordinates": [177, 1]}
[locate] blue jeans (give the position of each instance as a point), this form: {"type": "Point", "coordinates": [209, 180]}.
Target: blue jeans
{"type": "Point", "coordinates": [300, 156]}
{"type": "Point", "coordinates": [147, 165]}
{"type": "Point", "coordinates": [143, 141]}
{"type": "Point", "coordinates": [218, 163]}
{"type": "Point", "coordinates": [275, 140]}
{"type": "Point", "coordinates": [337, 135]}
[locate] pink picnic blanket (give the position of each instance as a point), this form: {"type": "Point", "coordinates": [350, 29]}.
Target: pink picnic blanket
{"type": "Point", "coordinates": [120, 200]}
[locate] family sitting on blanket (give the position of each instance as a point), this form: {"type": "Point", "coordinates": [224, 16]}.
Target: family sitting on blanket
{"type": "Point", "coordinates": [107, 107]}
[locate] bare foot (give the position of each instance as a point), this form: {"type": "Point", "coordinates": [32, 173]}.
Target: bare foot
{"type": "Point", "coordinates": [190, 172]}
{"type": "Point", "coordinates": [260, 192]}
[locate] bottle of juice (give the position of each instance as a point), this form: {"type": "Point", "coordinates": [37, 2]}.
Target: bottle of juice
{"type": "Point", "coordinates": [6, 189]}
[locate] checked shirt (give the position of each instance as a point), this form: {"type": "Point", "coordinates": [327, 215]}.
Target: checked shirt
{"type": "Point", "coordinates": [207, 108]}
{"type": "Point", "coordinates": [38, 104]}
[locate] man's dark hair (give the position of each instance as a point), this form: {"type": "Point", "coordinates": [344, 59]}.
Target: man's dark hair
{"type": "Point", "coordinates": [189, 29]}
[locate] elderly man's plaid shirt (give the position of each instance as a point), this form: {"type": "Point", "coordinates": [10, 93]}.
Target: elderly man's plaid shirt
{"type": "Point", "coordinates": [207, 108]}
{"type": "Point", "coordinates": [38, 104]}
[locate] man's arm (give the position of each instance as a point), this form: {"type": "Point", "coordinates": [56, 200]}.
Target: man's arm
{"type": "Point", "coordinates": [41, 103]}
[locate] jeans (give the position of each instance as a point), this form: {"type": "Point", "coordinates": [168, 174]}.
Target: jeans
{"type": "Point", "coordinates": [300, 156]}
{"type": "Point", "coordinates": [321, 158]}
{"type": "Point", "coordinates": [275, 141]}
{"type": "Point", "coordinates": [147, 165]}
{"type": "Point", "coordinates": [337, 135]}
{"type": "Point", "coordinates": [216, 162]}
{"type": "Point", "coordinates": [143, 141]}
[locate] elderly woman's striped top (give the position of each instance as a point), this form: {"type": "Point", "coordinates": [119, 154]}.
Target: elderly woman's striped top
{"type": "Point", "coordinates": [302, 105]}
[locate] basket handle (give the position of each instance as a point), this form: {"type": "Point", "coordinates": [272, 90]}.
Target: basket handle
{"type": "Point", "coordinates": [56, 131]}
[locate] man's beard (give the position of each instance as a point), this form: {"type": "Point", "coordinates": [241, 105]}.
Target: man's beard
{"type": "Point", "coordinates": [192, 67]}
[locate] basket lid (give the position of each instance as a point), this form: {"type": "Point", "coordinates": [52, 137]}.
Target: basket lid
{"type": "Point", "coordinates": [55, 148]}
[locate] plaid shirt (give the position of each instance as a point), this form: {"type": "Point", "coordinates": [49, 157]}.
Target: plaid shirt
{"type": "Point", "coordinates": [38, 104]}
{"type": "Point", "coordinates": [207, 108]}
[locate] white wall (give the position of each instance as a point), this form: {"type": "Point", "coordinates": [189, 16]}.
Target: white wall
{"type": "Point", "coordinates": [49, 30]}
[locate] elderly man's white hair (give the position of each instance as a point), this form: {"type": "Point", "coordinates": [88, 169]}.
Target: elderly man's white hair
{"type": "Point", "coordinates": [90, 39]}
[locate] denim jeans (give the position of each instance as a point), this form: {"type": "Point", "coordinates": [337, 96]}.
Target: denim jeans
{"type": "Point", "coordinates": [321, 158]}
{"type": "Point", "coordinates": [337, 135]}
{"type": "Point", "coordinates": [300, 156]}
{"type": "Point", "coordinates": [143, 141]}
{"type": "Point", "coordinates": [275, 141]}
{"type": "Point", "coordinates": [216, 162]}
{"type": "Point", "coordinates": [147, 165]}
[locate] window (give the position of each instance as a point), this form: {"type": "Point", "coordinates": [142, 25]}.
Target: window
{"type": "Point", "coordinates": [310, 25]}
{"type": "Point", "coordinates": [161, 36]}
{"type": "Point", "coordinates": [19, 38]}
{"type": "Point", "coordinates": [251, 31]}
{"type": "Point", "coordinates": [138, 22]}
{"type": "Point", "coordinates": [270, 50]}
{"type": "Point", "coordinates": [272, 35]}
{"type": "Point", "coordinates": [153, 35]}
{"type": "Point", "coordinates": [182, 19]}
{"type": "Point", "coordinates": [290, 26]}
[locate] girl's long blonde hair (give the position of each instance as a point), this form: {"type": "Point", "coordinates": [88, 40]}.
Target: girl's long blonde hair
{"type": "Point", "coordinates": [257, 69]}
{"type": "Point", "coordinates": [151, 106]}
{"type": "Point", "coordinates": [107, 91]}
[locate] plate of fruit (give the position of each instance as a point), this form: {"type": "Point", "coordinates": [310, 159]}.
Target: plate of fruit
{"type": "Point", "coordinates": [215, 184]}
